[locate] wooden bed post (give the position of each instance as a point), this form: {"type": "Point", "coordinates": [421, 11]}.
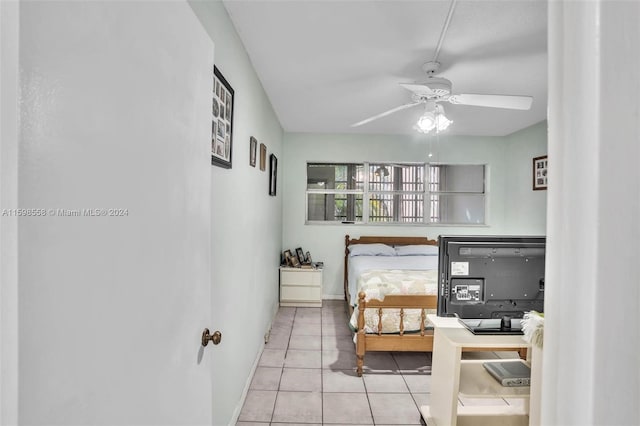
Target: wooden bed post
{"type": "Point", "coordinates": [360, 337]}
{"type": "Point", "coordinates": [346, 273]}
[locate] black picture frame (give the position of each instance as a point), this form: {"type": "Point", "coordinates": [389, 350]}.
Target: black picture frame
{"type": "Point", "coordinates": [540, 169]}
{"type": "Point", "coordinates": [273, 174]}
{"type": "Point", "coordinates": [300, 255]}
{"type": "Point", "coordinates": [222, 113]}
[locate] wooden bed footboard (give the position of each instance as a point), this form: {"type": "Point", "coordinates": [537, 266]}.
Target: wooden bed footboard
{"type": "Point", "coordinates": [418, 341]}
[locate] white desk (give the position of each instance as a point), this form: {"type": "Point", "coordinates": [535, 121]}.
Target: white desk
{"type": "Point", "coordinates": [451, 376]}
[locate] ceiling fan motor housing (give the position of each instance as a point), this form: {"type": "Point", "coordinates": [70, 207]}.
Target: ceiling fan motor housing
{"type": "Point", "coordinates": [441, 87]}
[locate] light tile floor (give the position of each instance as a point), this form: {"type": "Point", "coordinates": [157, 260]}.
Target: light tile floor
{"type": "Point", "coordinates": [306, 376]}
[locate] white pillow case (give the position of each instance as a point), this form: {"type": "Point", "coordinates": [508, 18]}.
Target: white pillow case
{"type": "Point", "coordinates": [416, 250]}
{"type": "Point", "coordinates": [371, 250]}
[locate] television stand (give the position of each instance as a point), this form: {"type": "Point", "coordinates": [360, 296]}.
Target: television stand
{"type": "Point", "coordinates": [452, 377]}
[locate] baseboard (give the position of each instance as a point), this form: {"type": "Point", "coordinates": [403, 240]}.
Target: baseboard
{"type": "Point", "coordinates": [333, 297]}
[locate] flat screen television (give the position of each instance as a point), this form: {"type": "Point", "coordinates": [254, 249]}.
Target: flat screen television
{"type": "Point", "coordinates": [490, 277]}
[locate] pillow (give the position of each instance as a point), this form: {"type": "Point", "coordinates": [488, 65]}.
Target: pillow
{"type": "Point", "coordinates": [417, 250]}
{"type": "Point", "coordinates": [371, 250]}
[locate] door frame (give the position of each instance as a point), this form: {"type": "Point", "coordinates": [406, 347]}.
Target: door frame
{"type": "Point", "coordinates": [9, 116]}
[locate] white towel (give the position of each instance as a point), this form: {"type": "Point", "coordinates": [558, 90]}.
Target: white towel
{"type": "Point", "coordinates": [533, 328]}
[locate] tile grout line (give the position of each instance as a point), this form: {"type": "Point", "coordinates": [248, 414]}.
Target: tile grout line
{"type": "Point", "coordinates": [286, 350]}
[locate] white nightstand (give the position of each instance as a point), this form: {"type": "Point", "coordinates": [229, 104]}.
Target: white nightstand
{"type": "Point", "coordinates": [300, 287]}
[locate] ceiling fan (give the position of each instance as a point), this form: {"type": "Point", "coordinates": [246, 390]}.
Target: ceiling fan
{"type": "Point", "coordinates": [437, 89]}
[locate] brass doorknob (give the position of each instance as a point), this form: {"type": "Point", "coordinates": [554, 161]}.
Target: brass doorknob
{"type": "Point", "coordinates": [215, 337]}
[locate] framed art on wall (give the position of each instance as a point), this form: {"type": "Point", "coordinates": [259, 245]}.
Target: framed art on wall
{"type": "Point", "coordinates": [263, 157]}
{"type": "Point", "coordinates": [273, 170]}
{"type": "Point", "coordinates": [540, 173]}
{"type": "Point", "coordinates": [222, 119]}
{"type": "Point", "coordinates": [253, 143]}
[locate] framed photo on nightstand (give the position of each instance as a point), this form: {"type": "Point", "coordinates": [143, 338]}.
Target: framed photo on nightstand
{"type": "Point", "coordinates": [287, 257]}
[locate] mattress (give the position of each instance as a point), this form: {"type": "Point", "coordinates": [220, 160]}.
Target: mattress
{"type": "Point", "coordinates": [378, 283]}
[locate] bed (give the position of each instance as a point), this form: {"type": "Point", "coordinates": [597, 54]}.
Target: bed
{"type": "Point", "coordinates": [390, 285]}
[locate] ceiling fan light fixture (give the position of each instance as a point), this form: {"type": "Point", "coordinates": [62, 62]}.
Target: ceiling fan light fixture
{"type": "Point", "coordinates": [426, 122]}
{"type": "Point", "coordinates": [442, 122]}
{"type": "Point", "coordinates": [433, 119]}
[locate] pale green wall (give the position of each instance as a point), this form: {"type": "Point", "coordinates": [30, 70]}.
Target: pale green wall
{"type": "Point", "coordinates": [507, 158]}
{"type": "Point", "coordinates": [246, 224]}
{"type": "Point", "coordinates": [526, 209]}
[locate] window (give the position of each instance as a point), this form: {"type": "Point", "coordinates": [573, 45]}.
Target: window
{"type": "Point", "coordinates": [456, 194]}
{"type": "Point", "coordinates": [335, 192]}
{"type": "Point", "coordinates": [396, 193]}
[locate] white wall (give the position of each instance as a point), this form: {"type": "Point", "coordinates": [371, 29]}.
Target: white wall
{"type": "Point", "coordinates": [326, 241]}
{"type": "Point", "coordinates": [526, 208]}
{"type": "Point", "coordinates": [246, 223]}
{"type": "Point", "coordinates": [115, 113]}
{"type": "Point", "coordinates": [591, 372]}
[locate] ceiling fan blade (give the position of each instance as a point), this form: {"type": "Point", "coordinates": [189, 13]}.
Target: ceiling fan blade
{"type": "Point", "coordinates": [418, 89]}
{"type": "Point", "coordinates": [384, 114]}
{"type": "Point", "coordinates": [493, 101]}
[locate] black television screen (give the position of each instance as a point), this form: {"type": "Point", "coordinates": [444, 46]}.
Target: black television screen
{"type": "Point", "coordinates": [490, 276]}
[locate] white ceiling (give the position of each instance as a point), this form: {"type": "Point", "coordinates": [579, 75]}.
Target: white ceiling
{"type": "Point", "coordinates": [327, 64]}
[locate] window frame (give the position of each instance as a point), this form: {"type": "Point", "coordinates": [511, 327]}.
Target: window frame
{"type": "Point", "coordinates": [427, 194]}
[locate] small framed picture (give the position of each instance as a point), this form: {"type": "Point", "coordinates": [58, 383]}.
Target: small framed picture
{"type": "Point", "coordinates": [214, 126]}
{"type": "Point", "coordinates": [300, 255]}
{"type": "Point", "coordinates": [287, 257]}
{"type": "Point", "coordinates": [222, 101]}
{"type": "Point", "coordinates": [253, 144]}
{"type": "Point", "coordinates": [307, 258]}
{"type": "Point", "coordinates": [540, 173]}
{"type": "Point", "coordinates": [273, 174]}
{"type": "Point", "coordinates": [263, 157]}
{"type": "Point", "coordinates": [294, 261]}
{"type": "Point", "coordinates": [216, 108]}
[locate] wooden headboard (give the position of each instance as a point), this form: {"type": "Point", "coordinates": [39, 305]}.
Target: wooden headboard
{"type": "Point", "coordinates": [391, 241]}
